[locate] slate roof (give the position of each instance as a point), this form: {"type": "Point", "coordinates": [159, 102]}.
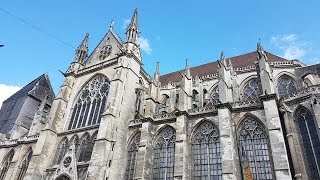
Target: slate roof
{"type": "Point", "coordinates": [243, 60]}
{"type": "Point", "coordinates": [11, 107]}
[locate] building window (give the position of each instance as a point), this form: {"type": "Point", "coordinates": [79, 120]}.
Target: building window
{"type": "Point", "coordinates": [132, 156]}
{"type": "Point", "coordinates": [62, 149]}
{"type": "Point", "coordinates": [24, 165]}
{"type": "Point", "coordinates": [5, 165]}
{"type": "Point", "coordinates": [286, 85]}
{"type": "Point", "coordinates": [90, 103]}
{"type": "Point", "coordinates": [253, 148]}
{"type": "Point", "coordinates": [310, 140]}
{"type": "Point", "coordinates": [105, 52]}
{"type": "Point", "coordinates": [206, 152]}
{"type": "Point", "coordinates": [163, 162]}
{"type": "Point", "coordinates": [214, 95]}
{"type": "Point", "coordinates": [86, 147]}
{"type": "Point", "coordinates": [252, 90]}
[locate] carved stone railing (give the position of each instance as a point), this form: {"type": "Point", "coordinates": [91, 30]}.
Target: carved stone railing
{"type": "Point", "coordinates": [315, 89]}
{"type": "Point", "coordinates": [135, 122]}
{"type": "Point", "coordinates": [201, 110]}
{"type": "Point", "coordinates": [251, 102]}
{"type": "Point", "coordinates": [164, 116]}
{"type": "Point", "coordinates": [22, 140]}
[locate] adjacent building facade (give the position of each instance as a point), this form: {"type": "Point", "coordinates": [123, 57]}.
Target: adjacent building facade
{"type": "Point", "coordinates": [252, 116]}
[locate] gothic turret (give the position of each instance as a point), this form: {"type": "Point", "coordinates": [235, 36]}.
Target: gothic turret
{"type": "Point", "coordinates": [82, 51]}
{"type": "Point", "coordinates": [265, 71]}
{"type": "Point", "coordinates": [156, 76]}
{"type": "Point", "coordinates": [133, 29]}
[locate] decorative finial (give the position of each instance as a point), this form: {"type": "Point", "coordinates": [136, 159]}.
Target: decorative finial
{"type": "Point", "coordinates": [111, 24]}
{"type": "Point", "coordinates": [187, 63]}
{"type": "Point", "coordinates": [259, 46]}
{"type": "Point", "coordinates": [157, 67]}
{"type": "Point", "coordinates": [222, 56]}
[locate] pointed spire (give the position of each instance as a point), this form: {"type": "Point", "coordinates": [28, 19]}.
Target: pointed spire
{"type": "Point", "coordinates": [187, 69]}
{"type": "Point", "coordinates": [133, 29]}
{"type": "Point", "coordinates": [260, 51]}
{"type": "Point", "coordinates": [111, 24]}
{"type": "Point", "coordinates": [156, 77]}
{"type": "Point", "coordinates": [223, 59]}
{"type": "Point", "coordinates": [82, 51]}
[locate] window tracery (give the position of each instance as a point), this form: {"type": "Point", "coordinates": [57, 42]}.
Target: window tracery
{"type": "Point", "coordinates": [105, 52]}
{"type": "Point", "coordinates": [132, 156]}
{"type": "Point", "coordinates": [214, 95]}
{"type": "Point", "coordinates": [163, 162]}
{"type": "Point", "coordinates": [61, 150]}
{"type": "Point", "coordinates": [310, 140]}
{"type": "Point", "coordinates": [206, 152]}
{"type": "Point", "coordinates": [286, 85]}
{"type": "Point", "coordinates": [252, 90]}
{"type": "Point", "coordinates": [86, 147]}
{"type": "Point", "coordinates": [253, 148]}
{"type": "Point", "coordinates": [90, 103]}
{"type": "Point", "coordinates": [5, 165]}
{"type": "Point", "coordinates": [24, 166]}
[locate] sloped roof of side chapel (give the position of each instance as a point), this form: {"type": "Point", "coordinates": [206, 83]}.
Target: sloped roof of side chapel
{"type": "Point", "coordinates": [240, 61]}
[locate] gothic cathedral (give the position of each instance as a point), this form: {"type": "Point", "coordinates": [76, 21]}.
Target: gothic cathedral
{"type": "Point", "coordinates": [252, 116]}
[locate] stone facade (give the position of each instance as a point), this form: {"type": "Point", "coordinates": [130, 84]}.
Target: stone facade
{"type": "Point", "coordinates": [253, 116]}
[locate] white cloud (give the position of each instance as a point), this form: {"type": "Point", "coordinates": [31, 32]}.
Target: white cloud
{"type": "Point", "coordinates": [290, 45]}
{"type": "Point", "coordinates": [293, 53]}
{"type": "Point", "coordinates": [144, 45]}
{"type": "Point", "coordinates": [6, 91]}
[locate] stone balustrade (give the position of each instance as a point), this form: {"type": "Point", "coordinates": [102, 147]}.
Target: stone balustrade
{"type": "Point", "coordinates": [315, 89]}
{"type": "Point", "coordinates": [22, 140]}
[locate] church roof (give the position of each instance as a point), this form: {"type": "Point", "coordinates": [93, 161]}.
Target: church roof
{"type": "Point", "coordinates": [11, 107]}
{"type": "Point", "coordinates": [240, 61]}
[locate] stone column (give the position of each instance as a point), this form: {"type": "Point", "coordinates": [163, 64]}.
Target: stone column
{"type": "Point", "coordinates": [182, 165]}
{"type": "Point", "coordinates": [226, 143]}
{"type": "Point", "coordinates": [277, 144]}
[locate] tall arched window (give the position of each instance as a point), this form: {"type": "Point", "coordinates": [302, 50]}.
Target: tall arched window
{"type": "Point", "coordinates": [163, 162]}
{"type": "Point", "coordinates": [5, 165]}
{"type": "Point", "coordinates": [251, 90]}
{"type": "Point", "coordinates": [86, 147]}
{"type": "Point", "coordinates": [206, 152]}
{"type": "Point", "coordinates": [61, 150]}
{"type": "Point", "coordinates": [132, 156]}
{"type": "Point", "coordinates": [214, 95]}
{"type": "Point", "coordinates": [286, 85]}
{"type": "Point", "coordinates": [253, 145]}
{"type": "Point", "coordinates": [90, 103]}
{"type": "Point", "coordinates": [310, 140]}
{"type": "Point", "coordinates": [24, 165]}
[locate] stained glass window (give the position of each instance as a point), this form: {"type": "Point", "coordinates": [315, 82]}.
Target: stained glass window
{"type": "Point", "coordinates": [310, 140]}
{"type": "Point", "coordinates": [163, 162]}
{"type": "Point", "coordinates": [24, 165]}
{"type": "Point", "coordinates": [90, 103]}
{"type": "Point", "coordinates": [62, 149]}
{"type": "Point", "coordinates": [86, 147]}
{"type": "Point", "coordinates": [252, 90]}
{"type": "Point", "coordinates": [206, 153]}
{"type": "Point", "coordinates": [286, 85]}
{"type": "Point", "coordinates": [253, 148]}
{"type": "Point", "coordinates": [132, 156]}
{"type": "Point", "coordinates": [5, 165]}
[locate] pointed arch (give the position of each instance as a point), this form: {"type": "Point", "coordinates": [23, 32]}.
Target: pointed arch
{"type": "Point", "coordinates": [164, 149]}
{"type": "Point", "coordinates": [61, 151]}
{"type": "Point", "coordinates": [214, 94]}
{"type": "Point", "coordinates": [286, 85]}
{"type": "Point", "coordinates": [253, 147]}
{"type": "Point", "coordinates": [76, 142]}
{"type": "Point", "coordinates": [24, 164]}
{"type": "Point", "coordinates": [90, 102]}
{"type": "Point", "coordinates": [251, 89]}
{"type": "Point", "coordinates": [6, 164]}
{"type": "Point", "coordinates": [310, 140]}
{"type": "Point", "coordinates": [133, 148]}
{"type": "Point", "coordinates": [206, 151]}
{"type": "Point", "coordinates": [84, 146]}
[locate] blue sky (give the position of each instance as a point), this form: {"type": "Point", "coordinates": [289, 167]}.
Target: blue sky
{"type": "Point", "coordinates": [171, 31]}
